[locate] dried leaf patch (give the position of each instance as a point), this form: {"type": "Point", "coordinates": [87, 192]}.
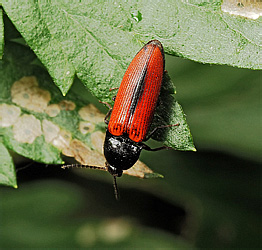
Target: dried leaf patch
{"type": "Point", "coordinates": [8, 114]}
{"type": "Point", "coordinates": [245, 8]}
{"type": "Point", "coordinates": [86, 127]}
{"type": "Point", "coordinates": [26, 128]}
{"type": "Point", "coordinates": [97, 140]}
{"type": "Point", "coordinates": [26, 93]}
{"type": "Point", "coordinates": [67, 105]}
{"type": "Point", "coordinates": [57, 137]}
{"type": "Point", "coordinates": [25, 133]}
{"type": "Point", "coordinates": [91, 113]}
{"type": "Point", "coordinates": [83, 154]}
{"type": "Point", "coordinates": [53, 110]}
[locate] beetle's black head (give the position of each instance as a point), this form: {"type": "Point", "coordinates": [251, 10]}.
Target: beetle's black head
{"type": "Point", "coordinates": [120, 152]}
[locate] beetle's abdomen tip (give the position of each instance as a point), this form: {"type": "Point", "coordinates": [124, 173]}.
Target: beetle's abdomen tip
{"type": "Point", "coordinates": [116, 129]}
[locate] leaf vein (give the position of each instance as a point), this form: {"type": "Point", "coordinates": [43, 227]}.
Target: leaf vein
{"type": "Point", "coordinates": [87, 31]}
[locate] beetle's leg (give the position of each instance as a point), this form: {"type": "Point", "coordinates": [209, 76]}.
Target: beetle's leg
{"type": "Point", "coordinates": [145, 147]}
{"type": "Point", "coordinates": [108, 113]}
{"type": "Point", "coordinates": [159, 127]}
{"type": "Point", "coordinates": [111, 89]}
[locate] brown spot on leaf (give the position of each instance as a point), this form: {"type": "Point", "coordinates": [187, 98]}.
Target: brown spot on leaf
{"type": "Point", "coordinates": [52, 110]}
{"type": "Point", "coordinates": [83, 154]}
{"type": "Point", "coordinates": [26, 93]}
{"type": "Point", "coordinates": [86, 127]}
{"type": "Point", "coordinates": [245, 8]}
{"type": "Point", "coordinates": [62, 140]}
{"type": "Point", "coordinates": [24, 83]}
{"type": "Point", "coordinates": [27, 128]}
{"type": "Point", "coordinates": [97, 140]}
{"type": "Point", "coordinates": [68, 151]}
{"type": "Point", "coordinates": [8, 114]}
{"type": "Point", "coordinates": [91, 113]}
{"type": "Point", "coordinates": [138, 170]}
{"type": "Point", "coordinates": [59, 138]}
{"type": "Point", "coordinates": [50, 130]}
{"type": "Point", "coordinates": [67, 105]}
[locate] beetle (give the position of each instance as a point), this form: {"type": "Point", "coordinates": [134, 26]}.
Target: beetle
{"type": "Point", "coordinates": [132, 114]}
{"type": "Point", "coordinates": [133, 110]}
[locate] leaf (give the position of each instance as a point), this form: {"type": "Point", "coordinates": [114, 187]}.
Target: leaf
{"type": "Point", "coordinates": [104, 65]}
{"type": "Point", "coordinates": [36, 121]}
{"type": "Point", "coordinates": [97, 42]}
{"type": "Point", "coordinates": [168, 112]}
{"type": "Point", "coordinates": [1, 33]}
{"type": "Point", "coordinates": [7, 170]}
{"type": "Point", "coordinates": [204, 33]}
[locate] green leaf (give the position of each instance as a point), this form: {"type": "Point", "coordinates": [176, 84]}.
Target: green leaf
{"type": "Point", "coordinates": [7, 170]}
{"type": "Point", "coordinates": [36, 121]}
{"type": "Point", "coordinates": [169, 111]}
{"type": "Point", "coordinates": [97, 42]}
{"type": "Point", "coordinates": [201, 31]}
{"type": "Point", "coordinates": [46, 47]}
{"type": "Point", "coordinates": [1, 33]}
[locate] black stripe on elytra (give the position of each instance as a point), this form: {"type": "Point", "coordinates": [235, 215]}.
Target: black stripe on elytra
{"type": "Point", "coordinates": [139, 88]}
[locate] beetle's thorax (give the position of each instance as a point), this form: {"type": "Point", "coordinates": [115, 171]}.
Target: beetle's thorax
{"type": "Point", "coordinates": [121, 153]}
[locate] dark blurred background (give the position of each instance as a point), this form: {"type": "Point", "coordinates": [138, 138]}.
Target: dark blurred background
{"type": "Point", "coordinates": [209, 198]}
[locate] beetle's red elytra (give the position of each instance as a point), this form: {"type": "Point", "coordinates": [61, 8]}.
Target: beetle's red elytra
{"type": "Point", "coordinates": [138, 93]}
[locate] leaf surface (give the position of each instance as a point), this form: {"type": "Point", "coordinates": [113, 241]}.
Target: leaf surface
{"type": "Point", "coordinates": [1, 33]}
{"type": "Point", "coordinates": [96, 42]}
{"type": "Point", "coordinates": [39, 123]}
{"type": "Point", "coordinates": [7, 170]}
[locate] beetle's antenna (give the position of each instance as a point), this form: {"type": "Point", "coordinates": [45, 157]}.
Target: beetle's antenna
{"type": "Point", "coordinates": [84, 166]}
{"type": "Point", "coordinates": [24, 167]}
{"type": "Point", "coordinates": [116, 191]}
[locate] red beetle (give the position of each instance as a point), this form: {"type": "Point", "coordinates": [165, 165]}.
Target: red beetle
{"type": "Point", "coordinates": [133, 111]}
{"type": "Point", "coordinates": [134, 108]}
